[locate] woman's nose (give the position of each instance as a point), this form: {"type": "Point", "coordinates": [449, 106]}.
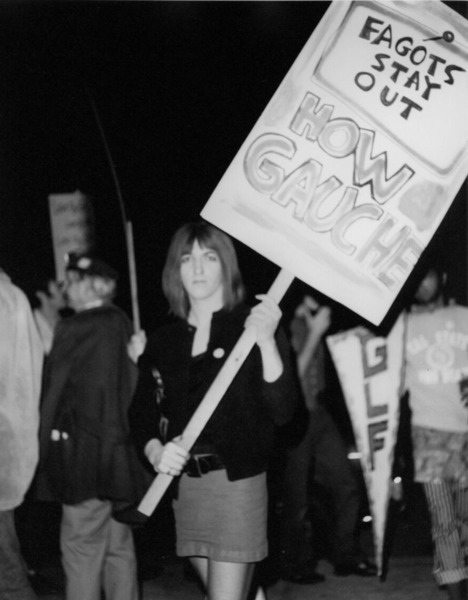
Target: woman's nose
{"type": "Point", "coordinates": [198, 266]}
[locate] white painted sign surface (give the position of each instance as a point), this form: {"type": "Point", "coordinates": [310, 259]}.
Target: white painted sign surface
{"type": "Point", "coordinates": [347, 174]}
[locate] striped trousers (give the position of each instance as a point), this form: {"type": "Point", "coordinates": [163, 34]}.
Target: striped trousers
{"type": "Point", "coordinates": [448, 507]}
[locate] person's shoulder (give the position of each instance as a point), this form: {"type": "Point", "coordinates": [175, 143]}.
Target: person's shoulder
{"type": "Point", "coordinates": [457, 309]}
{"type": "Point", "coordinates": [13, 296]}
{"type": "Point", "coordinates": [114, 313]}
{"type": "Point", "coordinates": [113, 322]}
{"type": "Point", "coordinates": [238, 313]}
{"type": "Point", "coordinates": [98, 320]}
{"type": "Point", "coordinates": [161, 340]}
{"type": "Point", "coordinates": [447, 309]}
{"type": "Point", "coordinates": [104, 313]}
{"type": "Point", "coordinates": [452, 311]}
{"type": "Point", "coordinates": [168, 331]}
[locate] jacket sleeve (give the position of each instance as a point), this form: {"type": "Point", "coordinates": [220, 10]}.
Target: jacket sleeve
{"type": "Point", "coordinates": [144, 412]}
{"type": "Point", "coordinates": [281, 396]}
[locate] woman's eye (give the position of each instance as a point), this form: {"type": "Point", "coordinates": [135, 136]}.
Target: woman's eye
{"type": "Point", "coordinates": [185, 259]}
{"type": "Point", "coordinates": [212, 256]}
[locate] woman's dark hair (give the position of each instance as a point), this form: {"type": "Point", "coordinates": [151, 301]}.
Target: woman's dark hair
{"type": "Point", "coordinates": [208, 236]}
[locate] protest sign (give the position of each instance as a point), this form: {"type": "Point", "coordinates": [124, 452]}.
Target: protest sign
{"type": "Point", "coordinates": [370, 370]}
{"type": "Point", "coordinates": [356, 159]}
{"type": "Point", "coordinates": [71, 220]}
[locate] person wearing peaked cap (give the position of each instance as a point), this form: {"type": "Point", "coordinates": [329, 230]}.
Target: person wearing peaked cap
{"type": "Point", "coordinates": [89, 281]}
{"type": "Point", "coordinates": [87, 461]}
{"type": "Point", "coordinates": [89, 265]}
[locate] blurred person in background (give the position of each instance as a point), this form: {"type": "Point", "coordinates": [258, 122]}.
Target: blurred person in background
{"type": "Point", "coordinates": [21, 357]}
{"type": "Point", "coordinates": [317, 465]}
{"type": "Point", "coordinates": [437, 383]}
{"type": "Point", "coordinates": [87, 461]}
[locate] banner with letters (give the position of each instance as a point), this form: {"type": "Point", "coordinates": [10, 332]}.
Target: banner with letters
{"type": "Point", "coordinates": [353, 164]}
{"type": "Point", "coordinates": [370, 370]}
{"type": "Point", "coordinates": [72, 225]}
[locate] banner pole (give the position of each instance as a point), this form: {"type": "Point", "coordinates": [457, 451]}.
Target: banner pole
{"type": "Point", "coordinates": [214, 395]}
{"type": "Point", "coordinates": [133, 277]}
{"type": "Point", "coordinates": [126, 223]}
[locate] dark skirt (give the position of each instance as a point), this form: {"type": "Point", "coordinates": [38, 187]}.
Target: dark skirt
{"type": "Point", "coordinates": [221, 519]}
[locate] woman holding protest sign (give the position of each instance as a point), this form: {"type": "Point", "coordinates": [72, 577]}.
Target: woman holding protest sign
{"type": "Point", "coordinates": [220, 502]}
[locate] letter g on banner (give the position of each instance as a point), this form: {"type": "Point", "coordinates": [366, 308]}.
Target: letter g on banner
{"type": "Point", "coordinates": [374, 354]}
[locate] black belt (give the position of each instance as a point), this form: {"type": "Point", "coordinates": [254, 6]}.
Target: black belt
{"type": "Point", "coordinates": [200, 464]}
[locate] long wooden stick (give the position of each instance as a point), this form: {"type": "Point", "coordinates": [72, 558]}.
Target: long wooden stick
{"type": "Point", "coordinates": [214, 395]}
{"type": "Point", "coordinates": [133, 278]}
{"type": "Point", "coordinates": [128, 230]}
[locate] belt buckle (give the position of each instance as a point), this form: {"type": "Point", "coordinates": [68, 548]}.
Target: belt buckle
{"type": "Point", "coordinates": [201, 466]}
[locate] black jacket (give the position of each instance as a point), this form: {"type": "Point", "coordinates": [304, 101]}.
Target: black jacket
{"type": "Point", "coordinates": [88, 386]}
{"type": "Point", "coordinates": [243, 425]}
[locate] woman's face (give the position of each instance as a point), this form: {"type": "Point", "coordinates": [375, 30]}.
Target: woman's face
{"type": "Point", "coordinates": [202, 274]}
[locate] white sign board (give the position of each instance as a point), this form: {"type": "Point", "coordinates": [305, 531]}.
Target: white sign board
{"type": "Point", "coordinates": [350, 169]}
{"type": "Point", "coordinates": [71, 221]}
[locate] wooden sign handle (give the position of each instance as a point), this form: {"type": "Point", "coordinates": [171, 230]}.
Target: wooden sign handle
{"type": "Point", "coordinates": [214, 395]}
{"type": "Point", "coordinates": [133, 278]}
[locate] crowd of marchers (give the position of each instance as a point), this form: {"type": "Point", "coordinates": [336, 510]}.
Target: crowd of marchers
{"type": "Point", "coordinates": [91, 411]}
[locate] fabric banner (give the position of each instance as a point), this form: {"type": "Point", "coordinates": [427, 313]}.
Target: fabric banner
{"type": "Point", "coordinates": [72, 224]}
{"type": "Point", "coordinates": [350, 169]}
{"type": "Point", "coordinates": [370, 370]}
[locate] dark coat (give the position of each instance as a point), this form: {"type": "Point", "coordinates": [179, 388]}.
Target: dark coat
{"type": "Point", "coordinates": [88, 385]}
{"type": "Point", "coordinates": [243, 425]}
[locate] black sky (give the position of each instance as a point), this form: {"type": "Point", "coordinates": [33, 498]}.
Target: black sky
{"type": "Point", "coordinates": [177, 87]}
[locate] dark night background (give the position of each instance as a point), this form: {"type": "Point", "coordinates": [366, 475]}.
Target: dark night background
{"type": "Point", "coordinates": [177, 87]}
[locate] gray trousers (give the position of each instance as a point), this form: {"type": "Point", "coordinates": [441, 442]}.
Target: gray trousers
{"type": "Point", "coordinates": [97, 553]}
